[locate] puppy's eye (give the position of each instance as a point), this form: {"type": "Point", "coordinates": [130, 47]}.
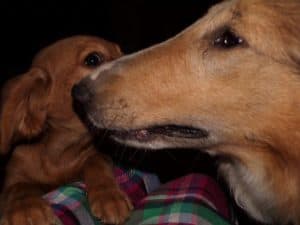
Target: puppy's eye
{"type": "Point", "coordinates": [94, 59]}
{"type": "Point", "coordinates": [228, 39]}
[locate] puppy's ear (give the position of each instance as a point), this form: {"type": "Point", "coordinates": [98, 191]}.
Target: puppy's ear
{"type": "Point", "coordinates": [24, 101]}
{"type": "Point", "coordinates": [118, 49]}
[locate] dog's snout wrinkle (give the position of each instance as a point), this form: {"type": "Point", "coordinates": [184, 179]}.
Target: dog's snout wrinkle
{"type": "Point", "coordinates": [101, 69]}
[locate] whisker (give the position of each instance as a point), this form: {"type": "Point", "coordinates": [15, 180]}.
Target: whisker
{"type": "Point", "coordinates": [173, 157]}
{"type": "Point", "coordinates": [133, 154]}
{"type": "Point", "coordinates": [141, 160]}
{"type": "Point", "coordinates": [121, 156]}
{"type": "Point", "coordinates": [103, 136]}
{"type": "Point", "coordinates": [100, 108]}
{"type": "Point", "coordinates": [106, 131]}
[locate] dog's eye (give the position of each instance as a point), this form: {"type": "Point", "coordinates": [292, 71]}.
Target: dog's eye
{"type": "Point", "coordinates": [228, 39]}
{"type": "Point", "coordinates": [94, 59]}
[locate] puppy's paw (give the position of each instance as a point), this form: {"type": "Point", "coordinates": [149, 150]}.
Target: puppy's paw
{"type": "Point", "coordinates": [28, 211]}
{"type": "Point", "coordinates": [111, 206]}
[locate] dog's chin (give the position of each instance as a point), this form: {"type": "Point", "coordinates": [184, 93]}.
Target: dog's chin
{"type": "Point", "coordinates": [160, 137]}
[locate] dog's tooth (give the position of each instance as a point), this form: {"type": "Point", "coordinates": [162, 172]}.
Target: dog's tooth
{"type": "Point", "coordinates": [142, 134]}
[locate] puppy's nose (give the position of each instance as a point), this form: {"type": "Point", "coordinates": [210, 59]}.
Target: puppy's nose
{"type": "Point", "coordinates": [81, 93]}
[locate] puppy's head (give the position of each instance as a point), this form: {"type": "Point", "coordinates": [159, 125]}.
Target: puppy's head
{"type": "Point", "coordinates": [41, 98]}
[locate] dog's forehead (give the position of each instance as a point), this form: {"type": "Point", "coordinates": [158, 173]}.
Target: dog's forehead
{"type": "Point", "coordinates": [242, 11]}
{"type": "Point", "coordinates": [217, 16]}
{"type": "Point", "coordinates": [269, 9]}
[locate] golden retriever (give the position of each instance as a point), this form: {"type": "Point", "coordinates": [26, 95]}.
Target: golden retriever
{"type": "Point", "coordinates": [228, 85]}
{"type": "Point", "coordinates": [50, 145]}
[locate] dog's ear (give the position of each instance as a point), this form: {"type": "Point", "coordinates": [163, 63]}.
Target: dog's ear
{"type": "Point", "coordinates": [119, 50]}
{"type": "Point", "coordinates": [289, 27]}
{"type": "Point", "coordinates": [294, 46]}
{"type": "Point", "coordinates": [23, 107]}
{"type": "Point", "coordinates": [295, 56]}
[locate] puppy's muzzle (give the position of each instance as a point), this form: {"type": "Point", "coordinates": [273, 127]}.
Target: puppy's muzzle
{"type": "Point", "coordinates": [82, 97]}
{"type": "Point", "coordinates": [81, 93]}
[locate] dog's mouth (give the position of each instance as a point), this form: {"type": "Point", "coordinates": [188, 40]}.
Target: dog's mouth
{"type": "Point", "coordinates": [149, 134]}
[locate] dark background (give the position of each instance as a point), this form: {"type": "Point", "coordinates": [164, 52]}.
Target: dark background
{"type": "Point", "coordinates": [26, 27]}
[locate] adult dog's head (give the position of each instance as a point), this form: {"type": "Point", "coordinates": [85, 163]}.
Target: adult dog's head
{"type": "Point", "coordinates": [229, 84]}
{"type": "Point", "coordinates": [40, 99]}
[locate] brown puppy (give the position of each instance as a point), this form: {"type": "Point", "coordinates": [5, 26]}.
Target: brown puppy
{"type": "Point", "coordinates": [229, 85]}
{"type": "Point", "coordinates": [53, 147]}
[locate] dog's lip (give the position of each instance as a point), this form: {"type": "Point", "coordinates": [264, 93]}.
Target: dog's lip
{"type": "Point", "coordinates": [150, 133]}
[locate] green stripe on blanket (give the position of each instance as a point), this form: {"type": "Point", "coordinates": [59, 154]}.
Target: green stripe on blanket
{"type": "Point", "coordinates": [177, 213]}
{"type": "Point", "coordinates": [190, 200]}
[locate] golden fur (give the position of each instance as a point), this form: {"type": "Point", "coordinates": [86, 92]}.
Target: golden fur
{"type": "Point", "coordinates": [246, 97]}
{"type": "Point", "coordinates": [50, 144]}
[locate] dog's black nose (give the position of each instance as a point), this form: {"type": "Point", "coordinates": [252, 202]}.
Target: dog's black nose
{"type": "Point", "coordinates": [81, 93]}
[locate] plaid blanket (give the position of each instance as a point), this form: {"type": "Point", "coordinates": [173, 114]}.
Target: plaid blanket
{"type": "Point", "coordinates": [191, 200]}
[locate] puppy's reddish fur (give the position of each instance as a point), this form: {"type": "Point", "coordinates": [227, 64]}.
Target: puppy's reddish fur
{"type": "Point", "coordinates": [244, 92]}
{"type": "Point", "coordinates": [50, 144]}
